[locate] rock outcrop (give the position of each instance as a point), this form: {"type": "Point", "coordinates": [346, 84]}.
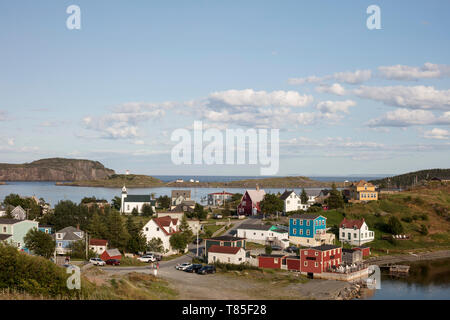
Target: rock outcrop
{"type": "Point", "coordinates": [54, 169]}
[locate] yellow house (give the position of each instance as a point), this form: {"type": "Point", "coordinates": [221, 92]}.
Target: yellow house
{"type": "Point", "coordinates": [363, 191]}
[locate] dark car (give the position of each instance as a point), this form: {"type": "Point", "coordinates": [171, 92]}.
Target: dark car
{"type": "Point", "coordinates": [193, 268]}
{"type": "Point", "coordinates": [113, 262]}
{"type": "Point", "coordinates": [292, 249]}
{"type": "Point", "coordinates": [276, 248]}
{"type": "Point", "coordinates": [199, 240]}
{"type": "Point", "coordinates": [206, 269]}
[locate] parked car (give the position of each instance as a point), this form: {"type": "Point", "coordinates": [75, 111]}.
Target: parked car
{"type": "Point", "coordinates": [199, 240]}
{"type": "Point", "coordinates": [218, 216]}
{"type": "Point", "coordinates": [276, 248]}
{"type": "Point", "coordinates": [207, 269]}
{"type": "Point", "coordinates": [182, 266]}
{"type": "Point", "coordinates": [157, 256]}
{"type": "Point", "coordinates": [292, 249]}
{"type": "Point", "coordinates": [193, 268]}
{"type": "Point", "coordinates": [113, 262]}
{"type": "Point", "coordinates": [147, 258]}
{"type": "Point", "coordinates": [97, 262]}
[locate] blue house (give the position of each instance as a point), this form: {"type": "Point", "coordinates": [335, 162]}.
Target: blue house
{"type": "Point", "coordinates": [46, 229]}
{"type": "Point", "coordinates": [309, 230]}
{"type": "Point", "coordinates": [66, 237]}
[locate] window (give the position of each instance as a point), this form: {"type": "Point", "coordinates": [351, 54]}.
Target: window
{"type": "Point", "coordinates": [301, 222]}
{"type": "Point", "coordinates": [295, 231]}
{"type": "Point", "coordinates": [59, 236]}
{"type": "Point", "coordinates": [60, 244]}
{"type": "Point", "coordinates": [307, 222]}
{"type": "Point", "coordinates": [301, 232]}
{"type": "Point", "coordinates": [306, 263]}
{"type": "Point", "coordinates": [4, 229]}
{"type": "Point", "coordinates": [275, 260]}
{"type": "Point", "coordinates": [316, 264]}
{"type": "Point", "coordinates": [294, 222]}
{"type": "Point", "coordinates": [354, 235]}
{"type": "Point", "coordinates": [306, 252]}
{"type": "Point", "coordinates": [288, 202]}
{"type": "Point", "coordinates": [343, 234]}
{"type": "Point", "coordinates": [307, 232]}
{"type": "Point", "coordinates": [157, 229]}
{"type": "Point", "coordinates": [316, 253]}
{"type": "Point", "coordinates": [146, 228]}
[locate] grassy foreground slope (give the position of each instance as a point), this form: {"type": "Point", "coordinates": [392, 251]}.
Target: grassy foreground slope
{"type": "Point", "coordinates": [424, 205]}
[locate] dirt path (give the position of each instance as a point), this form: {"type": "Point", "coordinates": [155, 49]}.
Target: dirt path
{"type": "Point", "coordinates": [411, 257]}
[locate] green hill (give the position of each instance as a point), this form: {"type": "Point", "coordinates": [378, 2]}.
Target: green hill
{"type": "Point", "coordinates": [409, 179]}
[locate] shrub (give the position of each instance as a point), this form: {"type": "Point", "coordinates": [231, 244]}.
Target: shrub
{"type": "Point", "coordinates": [423, 229]}
{"type": "Point", "coordinates": [407, 219]}
{"type": "Point", "coordinates": [234, 267]}
{"type": "Point", "coordinates": [395, 226]}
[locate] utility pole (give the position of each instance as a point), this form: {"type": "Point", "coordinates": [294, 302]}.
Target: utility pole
{"type": "Point", "coordinates": [197, 242]}
{"type": "Point", "coordinates": [87, 246]}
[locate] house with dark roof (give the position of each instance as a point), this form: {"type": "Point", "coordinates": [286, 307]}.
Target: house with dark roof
{"type": "Point", "coordinates": [219, 198]}
{"type": "Point", "coordinates": [178, 196]}
{"type": "Point", "coordinates": [13, 231]}
{"type": "Point", "coordinates": [163, 228]}
{"type": "Point", "coordinates": [309, 230]}
{"type": "Point", "coordinates": [264, 234]}
{"type": "Point", "coordinates": [135, 201]}
{"type": "Point", "coordinates": [355, 232]}
{"type": "Point", "coordinates": [320, 259]}
{"type": "Point", "coordinates": [224, 241]}
{"type": "Point", "coordinates": [66, 237]}
{"type": "Point", "coordinates": [292, 202]}
{"type": "Point", "coordinates": [226, 254]}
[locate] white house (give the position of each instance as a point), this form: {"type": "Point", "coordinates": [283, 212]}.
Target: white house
{"type": "Point", "coordinates": [98, 245]}
{"type": "Point", "coordinates": [17, 213]}
{"type": "Point", "coordinates": [355, 232]}
{"type": "Point", "coordinates": [133, 201]}
{"type": "Point", "coordinates": [162, 228]}
{"type": "Point", "coordinates": [179, 196]}
{"type": "Point", "coordinates": [264, 234]}
{"type": "Point", "coordinates": [292, 201]}
{"type": "Point", "coordinates": [225, 254]}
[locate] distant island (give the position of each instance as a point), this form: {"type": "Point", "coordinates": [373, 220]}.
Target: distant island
{"type": "Point", "coordinates": [54, 169]}
{"type": "Point", "coordinates": [411, 178]}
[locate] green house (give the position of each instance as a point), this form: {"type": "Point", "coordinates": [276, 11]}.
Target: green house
{"type": "Point", "coordinates": [13, 231]}
{"type": "Point", "coordinates": [224, 241]}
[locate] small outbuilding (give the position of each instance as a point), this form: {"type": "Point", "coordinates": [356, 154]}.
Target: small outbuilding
{"type": "Point", "coordinates": [365, 250]}
{"type": "Point", "coordinates": [270, 261]}
{"type": "Point", "coordinates": [111, 254]}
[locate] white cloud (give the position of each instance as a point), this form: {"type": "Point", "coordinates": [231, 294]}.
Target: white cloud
{"type": "Point", "coordinates": [334, 88]}
{"type": "Point", "coordinates": [350, 77]}
{"type": "Point", "coordinates": [436, 133]}
{"type": "Point", "coordinates": [403, 118]}
{"type": "Point", "coordinates": [415, 97]}
{"type": "Point", "coordinates": [335, 106]}
{"type": "Point", "coordinates": [249, 97]}
{"type": "Point", "coordinates": [408, 73]}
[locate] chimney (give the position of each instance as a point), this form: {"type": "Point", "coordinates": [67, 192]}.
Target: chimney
{"type": "Point", "coordinates": [78, 226]}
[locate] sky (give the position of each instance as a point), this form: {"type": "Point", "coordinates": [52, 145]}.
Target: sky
{"type": "Point", "coordinates": [346, 99]}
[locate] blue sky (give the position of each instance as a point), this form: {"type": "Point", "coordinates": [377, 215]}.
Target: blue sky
{"type": "Point", "coordinates": [347, 100]}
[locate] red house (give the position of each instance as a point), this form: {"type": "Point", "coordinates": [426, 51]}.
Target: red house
{"type": "Point", "coordinates": [319, 259]}
{"type": "Point", "coordinates": [270, 261]}
{"type": "Point", "coordinates": [293, 263]}
{"type": "Point", "coordinates": [249, 204]}
{"type": "Point", "coordinates": [111, 254]}
{"type": "Point", "coordinates": [365, 250]}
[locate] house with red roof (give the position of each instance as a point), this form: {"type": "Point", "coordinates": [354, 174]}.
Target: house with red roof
{"type": "Point", "coordinates": [219, 198]}
{"type": "Point", "coordinates": [355, 232]}
{"type": "Point", "coordinates": [98, 245]}
{"type": "Point", "coordinates": [162, 228]}
{"type": "Point", "coordinates": [226, 254]}
{"type": "Point", "coordinates": [249, 204]}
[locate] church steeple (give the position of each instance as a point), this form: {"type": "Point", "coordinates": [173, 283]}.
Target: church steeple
{"type": "Point", "coordinates": [124, 190]}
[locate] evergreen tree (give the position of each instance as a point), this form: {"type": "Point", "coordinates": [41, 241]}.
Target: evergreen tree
{"type": "Point", "coordinates": [335, 200]}
{"type": "Point", "coordinates": [164, 202]}
{"type": "Point", "coordinates": [304, 196]}
{"type": "Point", "coordinates": [147, 210]}
{"type": "Point", "coordinates": [117, 234]}
{"type": "Point", "coordinates": [116, 203]}
{"type": "Point", "coordinates": [97, 227]}
{"type": "Point", "coordinates": [137, 241]}
{"type": "Point", "coordinates": [271, 204]}
{"type": "Point", "coordinates": [135, 212]}
{"type": "Point", "coordinates": [394, 225]}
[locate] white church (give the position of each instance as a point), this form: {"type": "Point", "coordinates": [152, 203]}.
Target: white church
{"type": "Point", "coordinates": [132, 201]}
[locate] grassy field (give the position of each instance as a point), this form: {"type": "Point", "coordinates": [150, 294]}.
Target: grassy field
{"type": "Point", "coordinates": [427, 206]}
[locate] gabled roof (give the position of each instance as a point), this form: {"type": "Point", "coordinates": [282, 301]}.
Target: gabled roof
{"type": "Point", "coordinates": [256, 195]}
{"type": "Point", "coordinates": [70, 233]}
{"type": "Point", "coordinates": [9, 221]}
{"type": "Point", "coordinates": [139, 198]}
{"type": "Point", "coordinates": [164, 222]}
{"type": "Point", "coordinates": [113, 252]}
{"type": "Point", "coordinates": [286, 194]}
{"type": "Point", "coordinates": [306, 216]}
{"type": "Point", "coordinates": [98, 242]}
{"type": "Point", "coordinates": [181, 208]}
{"type": "Point", "coordinates": [249, 226]}
{"type": "Point", "coordinates": [4, 236]}
{"type": "Point", "coordinates": [272, 255]}
{"type": "Point", "coordinates": [324, 247]}
{"type": "Point", "coordinates": [351, 223]}
{"type": "Point", "coordinates": [221, 193]}
{"type": "Point", "coordinates": [361, 183]}
{"type": "Point", "coordinates": [226, 238]}
{"type": "Point", "coordinates": [224, 249]}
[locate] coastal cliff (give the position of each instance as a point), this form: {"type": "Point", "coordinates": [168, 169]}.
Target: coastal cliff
{"type": "Point", "coordinates": [54, 169]}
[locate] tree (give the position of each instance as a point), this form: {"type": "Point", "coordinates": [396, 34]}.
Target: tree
{"type": "Point", "coordinates": [226, 210]}
{"type": "Point", "coordinates": [97, 227]}
{"type": "Point", "coordinates": [179, 241]}
{"type": "Point", "coordinates": [8, 213]}
{"type": "Point", "coordinates": [304, 196]}
{"type": "Point", "coordinates": [164, 202]}
{"type": "Point", "coordinates": [137, 241]}
{"type": "Point", "coordinates": [394, 225]}
{"type": "Point", "coordinates": [68, 213]}
{"type": "Point", "coordinates": [33, 209]}
{"type": "Point", "coordinates": [268, 249]}
{"type": "Point", "coordinates": [199, 212]}
{"type": "Point", "coordinates": [117, 234]}
{"type": "Point", "coordinates": [155, 245]}
{"type": "Point", "coordinates": [135, 212]}
{"type": "Point", "coordinates": [116, 203]}
{"type": "Point", "coordinates": [335, 200]}
{"type": "Point", "coordinates": [147, 210]}
{"type": "Point", "coordinates": [423, 229]}
{"type": "Point", "coordinates": [271, 204]}
{"type": "Point", "coordinates": [185, 229]}
{"type": "Point", "coordinates": [40, 243]}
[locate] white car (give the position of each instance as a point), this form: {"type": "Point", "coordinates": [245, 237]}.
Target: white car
{"type": "Point", "coordinates": [97, 262]}
{"type": "Point", "coordinates": [147, 258]}
{"type": "Point", "coordinates": [183, 266]}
